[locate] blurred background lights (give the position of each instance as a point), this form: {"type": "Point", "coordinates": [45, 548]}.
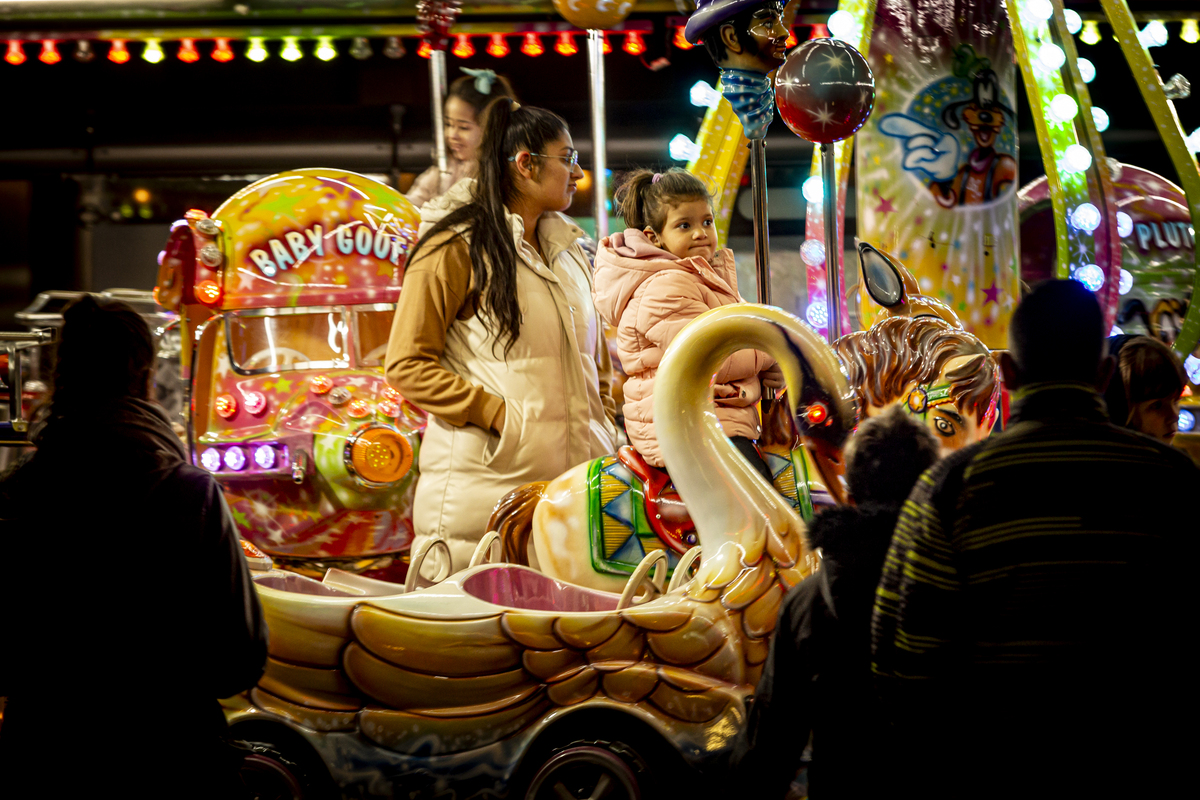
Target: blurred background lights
{"type": "Point", "coordinates": [1063, 107]}
{"type": "Point", "coordinates": [1154, 34]}
{"type": "Point", "coordinates": [264, 456]}
{"type": "Point", "coordinates": [817, 314]}
{"type": "Point", "coordinates": [813, 189]}
{"type": "Point", "coordinates": [682, 148]}
{"type": "Point", "coordinates": [1193, 141]}
{"type": "Point", "coordinates": [842, 26]}
{"type": "Point", "coordinates": [1190, 32]}
{"type": "Point", "coordinates": [703, 95]}
{"type": "Point", "coordinates": [1187, 421]}
{"type": "Point", "coordinates": [257, 51]}
{"type": "Point", "coordinates": [1051, 55]}
{"type": "Point", "coordinates": [1115, 331]}
{"type": "Point", "coordinates": [1077, 158]}
{"type": "Point", "coordinates": [1124, 224]}
{"type": "Point", "coordinates": [291, 49]}
{"type": "Point", "coordinates": [1191, 365]}
{"type": "Point", "coordinates": [1091, 32]}
{"type": "Point", "coordinates": [210, 459]}
{"type": "Point", "coordinates": [222, 52]}
{"type": "Point", "coordinates": [1086, 217]}
{"type": "Point", "coordinates": [1074, 21]}
{"type": "Point", "coordinates": [1090, 276]}
{"type": "Point", "coordinates": [235, 458]}
{"type": "Point", "coordinates": [1040, 9]}
{"type": "Point", "coordinates": [812, 252]}
{"type": "Point", "coordinates": [1125, 282]}
{"type": "Point", "coordinates": [1087, 70]}
{"type": "Point", "coordinates": [1100, 118]}
{"type": "Point", "coordinates": [153, 51]}
{"type": "Point", "coordinates": [117, 52]}
{"type": "Point", "coordinates": [325, 49]}
{"type": "Point", "coordinates": [360, 48]}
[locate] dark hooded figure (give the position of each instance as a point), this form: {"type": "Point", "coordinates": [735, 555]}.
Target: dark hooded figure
{"type": "Point", "coordinates": [126, 606]}
{"type": "Point", "coordinates": [817, 679]}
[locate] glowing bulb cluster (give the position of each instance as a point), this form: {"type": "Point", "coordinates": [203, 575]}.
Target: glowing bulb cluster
{"type": "Point", "coordinates": [1076, 158]}
{"type": "Point", "coordinates": [813, 189]}
{"type": "Point", "coordinates": [1051, 56]}
{"type": "Point", "coordinates": [1190, 32]}
{"type": "Point", "coordinates": [497, 45]}
{"type": "Point", "coordinates": [1074, 21]}
{"type": "Point", "coordinates": [1191, 365]}
{"type": "Point", "coordinates": [1124, 224]}
{"type": "Point", "coordinates": [532, 45]}
{"type": "Point", "coordinates": [1187, 421]}
{"type": "Point", "coordinates": [291, 49]}
{"type": "Point", "coordinates": [264, 456]}
{"type": "Point", "coordinates": [325, 49]}
{"type": "Point", "coordinates": [1154, 34]}
{"type": "Point", "coordinates": [153, 51]}
{"type": "Point", "coordinates": [1100, 118]}
{"type": "Point", "coordinates": [565, 46]}
{"type": "Point", "coordinates": [842, 25]}
{"type": "Point", "coordinates": [1087, 70]}
{"type": "Point", "coordinates": [817, 314]}
{"type": "Point", "coordinates": [703, 95]}
{"type": "Point", "coordinates": [235, 458]}
{"type": "Point", "coordinates": [1040, 9]}
{"type": "Point", "coordinates": [1063, 107]}
{"type": "Point", "coordinates": [1091, 32]}
{"type": "Point", "coordinates": [1086, 217]}
{"type": "Point", "coordinates": [1090, 276]}
{"type": "Point", "coordinates": [1125, 282]}
{"type": "Point", "coordinates": [682, 148]}
{"type": "Point", "coordinates": [812, 252]}
{"type": "Point", "coordinates": [257, 51]}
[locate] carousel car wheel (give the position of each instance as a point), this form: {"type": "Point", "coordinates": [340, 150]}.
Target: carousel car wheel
{"type": "Point", "coordinates": [590, 770]}
{"type": "Point", "coordinates": [281, 769]}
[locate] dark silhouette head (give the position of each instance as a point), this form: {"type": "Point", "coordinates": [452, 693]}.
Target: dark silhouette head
{"type": "Point", "coordinates": [1056, 335]}
{"type": "Point", "coordinates": [886, 455]}
{"type": "Point", "coordinates": [106, 355]}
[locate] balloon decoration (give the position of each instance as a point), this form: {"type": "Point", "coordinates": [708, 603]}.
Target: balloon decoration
{"type": "Point", "coordinates": [435, 18]}
{"type": "Point", "coordinates": [825, 90]}
{"type": "Point", "coordinates": [595, 14]}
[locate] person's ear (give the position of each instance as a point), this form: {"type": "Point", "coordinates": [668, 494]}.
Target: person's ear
{"type": "Point", "coordinates": [652, 236]}
{"type": "Point", "coordinates": [729, 38]}
{"type": "Point", "coordinates": [1010, 371]}
{"type": "Point", "coordinates": [524, 165]}
{"type": "Point", "coordinates": [1104, 374]}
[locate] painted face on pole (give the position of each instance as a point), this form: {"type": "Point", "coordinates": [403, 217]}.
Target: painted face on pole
{"type": "Point", "coordinates": [745, 35]}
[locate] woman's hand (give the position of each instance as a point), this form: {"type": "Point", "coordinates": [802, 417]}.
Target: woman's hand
{"type": "Point", "coordinates": [772, 377]}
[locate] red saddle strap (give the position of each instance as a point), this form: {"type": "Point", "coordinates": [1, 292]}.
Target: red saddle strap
{"type": "Point", "coordinates": [665, 511]}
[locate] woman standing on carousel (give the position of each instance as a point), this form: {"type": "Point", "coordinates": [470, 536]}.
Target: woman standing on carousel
{"type": "Point", "coordinates": [495, 333]}
{"type": "Point", "coordinates": [462, 114]}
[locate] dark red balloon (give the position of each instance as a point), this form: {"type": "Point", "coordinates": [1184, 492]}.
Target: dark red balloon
{"type": "Point", "coordinates": [825, 90]}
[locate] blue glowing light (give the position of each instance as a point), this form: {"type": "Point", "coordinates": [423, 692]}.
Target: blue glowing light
{"type": "Point", "coordinates": [235, 458]}
{"type": "Point", "coordinates": [1187, 421]}
{"type": "Point", "coordinates": [813, 189]}
{"type": "Point", "coordinates": [210, 459]}
{"type": "Point", "coordinates": [817, 314]}
{"type": "Point", "coordinates": [264, 456]}
{"type": "Point", "coordinates": [1090, 276]}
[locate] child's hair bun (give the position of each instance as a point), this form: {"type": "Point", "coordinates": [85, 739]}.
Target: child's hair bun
{"type": "Point", "coordinates": [643, 196]}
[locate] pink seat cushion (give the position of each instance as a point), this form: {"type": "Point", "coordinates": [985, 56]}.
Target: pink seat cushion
{"type": "Point", "coordinates": [520, 587]}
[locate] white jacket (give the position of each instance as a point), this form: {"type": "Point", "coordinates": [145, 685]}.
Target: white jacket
{"type": "Point", "coordinates": [550, 381]}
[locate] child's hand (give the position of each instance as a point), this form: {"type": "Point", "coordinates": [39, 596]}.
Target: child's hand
{"type": "Point", "coordinates": [772, 377]}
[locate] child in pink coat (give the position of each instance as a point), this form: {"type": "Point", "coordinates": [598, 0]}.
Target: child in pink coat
{"type": "Point", "coordinates": [656, 277]}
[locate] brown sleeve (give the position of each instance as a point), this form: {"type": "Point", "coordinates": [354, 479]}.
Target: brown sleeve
{"type": "Point", "coordinates": [436, 288]}
{"type": "Point", "coordinates": [604, 369]}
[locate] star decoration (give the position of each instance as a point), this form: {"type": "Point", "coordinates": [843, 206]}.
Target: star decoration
{"type": "Point", "coordinates": [385, 269]}
{"type": "Point", "coordinates": [864, 97]}
{"type": "Point", "coordinates": [992, 294]}
{"type": "Point", "coordinates": [885, 206]}
{"type": "Point", "coordinates": [824, 116]}
{"type": "Point", "coordinates": [836, 61]}
{"type": "Point", "coordinates": [280, 385]}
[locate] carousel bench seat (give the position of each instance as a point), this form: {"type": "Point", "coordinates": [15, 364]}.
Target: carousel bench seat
{"type": "Point", "coordinates": [521, 587]}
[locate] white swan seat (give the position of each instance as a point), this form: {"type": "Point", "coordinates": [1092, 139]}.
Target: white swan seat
{"type": "Point", "coordinates": [512, 586]}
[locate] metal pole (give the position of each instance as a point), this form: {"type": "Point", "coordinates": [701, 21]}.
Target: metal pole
{"type": "Point", "coordinates": [437, 91]}
{"type": "Point", "coordinates": [833, 245]}
{"type": "Point", "coordinates": [595, 43]}
{"type": "Point", "coordinates": [758, 184]}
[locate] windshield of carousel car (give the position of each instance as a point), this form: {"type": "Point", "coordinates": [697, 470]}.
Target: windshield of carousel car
{"type": "Point", "coordinates": [312, 339]}
{"type": "Point", "coordinates": [372, 325]}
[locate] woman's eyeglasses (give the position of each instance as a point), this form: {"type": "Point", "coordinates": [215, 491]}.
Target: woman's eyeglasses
{"type": "Point", "coordinates": [572, 157]}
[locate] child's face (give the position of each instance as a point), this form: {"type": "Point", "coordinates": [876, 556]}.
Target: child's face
{"type": "Point", "coordinates": [462, 129]}
{"type": "Point", "coordinates": [688, 231]}
{"type": "Point", "coordinates": [1157, 418]}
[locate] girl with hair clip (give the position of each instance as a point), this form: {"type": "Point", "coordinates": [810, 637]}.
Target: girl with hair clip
{"type": "Point", "coordinates": [462, 117]}
{"type": "Point", "coordinates": [658, 275]}
{"type": "Point", "coordinates": [495, 334]}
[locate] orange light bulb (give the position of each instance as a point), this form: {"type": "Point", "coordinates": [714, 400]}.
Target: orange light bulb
{"type": "Point", "coordinates": [463, 47]}
{"type": "Point", "coordinates": [792, 41]}
{"type": "Point", "coordinates": [208, 292]}
{"type": "Point", "coordinates": [358, 408]}
{"type": "Point", "coordinates": [187, 51]}
{"type": "Point", "coordinates": [117, 52]}
{"type": "Point", "coordinates": [425, 49]}
{"type": "Point", "coordinates": [16, 53]}
{"type": "Point", "coordinates": [497, 45]}
{"type": "Point", "coordinates": [49, 54]}
{"type": "Point", "coordinates": [681, 41]}
{"type": "Point", "coordinates": [225, 406]}
{"type": "Point", "coordinates": [222, 52]}
{"type": "Point", "coordinates": [565, 46]}
{"type": "Point", "coordinates": [532, 46]}
{"type": "Point", "coordinates": [320, 384]}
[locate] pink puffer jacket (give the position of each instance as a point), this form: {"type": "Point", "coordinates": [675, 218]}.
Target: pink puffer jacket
{"type": "Point", "coordinates": [649, 295]}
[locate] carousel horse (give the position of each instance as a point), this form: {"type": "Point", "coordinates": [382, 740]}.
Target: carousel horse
{"type": "Point", "coordinates": [593, 524]}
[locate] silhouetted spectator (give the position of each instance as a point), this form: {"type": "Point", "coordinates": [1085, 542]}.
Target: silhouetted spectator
{"type": "Point", "coordinates": [1032, 620]}
{"type": "Point", "coordinates": [126, 606]}
{"type": "Point", "coordinates": [1146, 386]}
{"type": "Point", "coordinates": [818, 676]}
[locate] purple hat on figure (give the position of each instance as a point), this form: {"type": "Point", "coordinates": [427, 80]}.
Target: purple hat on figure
{"type": "Point", "coordinates": [713, 12]}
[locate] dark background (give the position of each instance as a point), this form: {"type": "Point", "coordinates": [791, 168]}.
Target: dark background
{"type": "Point", "coordinates": [78, 141]}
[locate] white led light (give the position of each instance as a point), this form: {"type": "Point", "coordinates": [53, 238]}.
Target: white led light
{"type": "Point", "coordinates": [1124, 224]}
{"type": "Point", "coordinates": [1100, 118]}
{"type": "Point", "coordinates": [1087, 70]}
{"type": "Point", "coordinates": [813, 189]}
{"type": "Point", "coordinates": [817, 314]}
{"type": "Point", "coordinates": [842, 26]}
{"type": "Point", "coordinates": [1125, 282]}
{"type": "Point", "coordinates": [1077, 158]}
{"type": "Point", "coordinates": [1191, 365]}
{"type": "Point", "coordinates": [1115, 331]}
{"type": "Point", "coordinates": [682, 148]}
{"type": "Point", "coordinates": [1187, 421]}
{"type": "Point", "coordinates": [1154, 34]}
{"type": "Point", "coordinates": [210, 459]}
{"type": "Point", "coordinates": [1063, 107]}
{"type": "Point", "coordinates": [264, 456]}
{"type": "Point", "coordinates": [1090, 276]}
{"type": "Point", "coordinates": [1193, 141]}
{"type": "Point", "coordinates": [1074, 21]}
{"type": "Point", "coordinates": [703, 95]}
{"type": "Point", "coordinates": [1051, 55]}
{"type": "Point", "coordinates": [235, 458]}
{"type": "Point", "coordinates": [812, 253]}
{"type": "Point", "coordinates": [1040, 9]}
{"type": "Point", "coordinates": [1086, 217]}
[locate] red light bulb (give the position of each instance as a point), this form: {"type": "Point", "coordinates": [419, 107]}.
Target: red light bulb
{"type": "Point", "coordinates": [462, 46]}
{"type": "Point", "coordinates": [208, 292]}
{"type": "Point", "coordinates": [634, 44]}
{"type": "Point", "coordinates": [607, 45]}
{"type": "Point", "coordinates": [391, 394]}
{"type": "Point", "coordinates": [425, 49]}
{"type": "Point", "coordinates": [532, 46]}
{"type": "Point", "coordinates": [225, 406]}
{"type": "Point", "coordinates": [792, 40]}
{"type": "Point", "coordinates": [565, 46]}
{"type": "Point", "coordinates": [256, 402]}
{"type": "Point", "coordinates": [816, 414]}
{"type": "Point", "coordinates": [187, 51]}
{"type": "Point", "coordinates": [819, 31]}
{"type": "Point", "coordinates": [358, 409]}
{"type": "Point", "coordinates": [681, 41]}
{"type": "Point", "coordinates": [117, 52]}
{"type": "Point", "coordinates": [320, 384]}
{"type": "Point", "coordinates": [222, 52]}
{"type": "Point", "coordinates": [389, 409]}
{"type": "Point", "coordinates": [49, 54]}
{"type": "Point", "coordinates": [16, 53]}
{"type": "Point", "coordinates": [497, 45]}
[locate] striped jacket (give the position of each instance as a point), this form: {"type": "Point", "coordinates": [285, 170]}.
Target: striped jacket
{"type": "Point", "coordinates": [1033, 569]}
